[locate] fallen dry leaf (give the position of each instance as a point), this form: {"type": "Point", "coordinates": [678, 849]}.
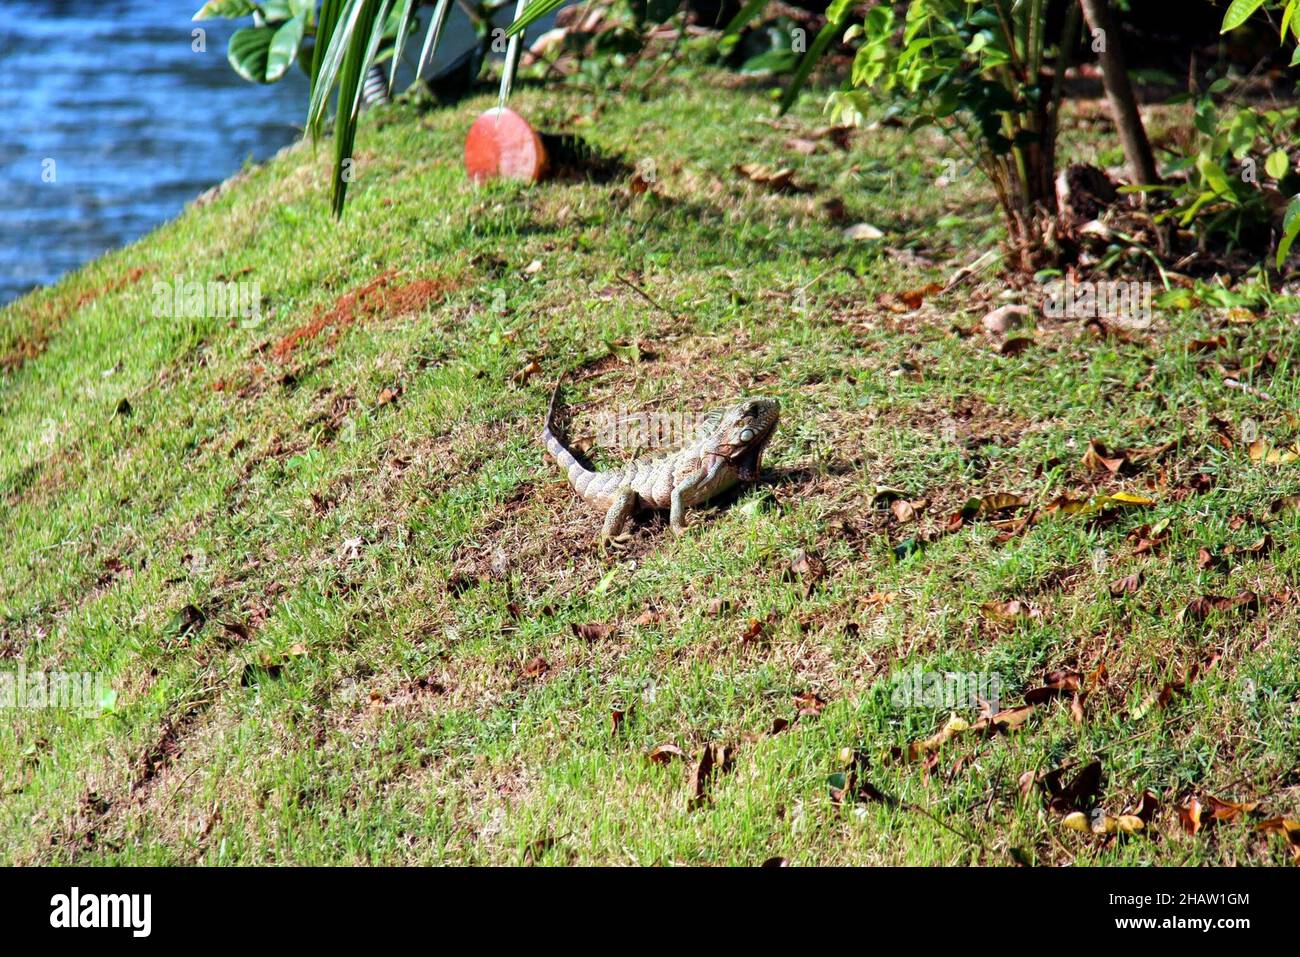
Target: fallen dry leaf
{"type": "Point", "coordinates": [591, 631]}
{"type": "Point", "coordinates": [665, 754]}
{"type": "Point", "coordinates": [1127, 585]}
{"type": "Point", "coordinates": [806, 567]}
{"type": "Point", "coordinates": [1058, 683]}
{"type": "Point", "coordinates": [714, 759]}
{"type": "Point", "coordinates": [1199, 608]}
{"type": "Point", "coordinates": [1098, 458]}
{"type": "Point", "coordinates": [1286, 827]}
{"type": "Point", "coordinates": [780, 180]}
{"type": "Point", "coordinates": [1194, 816]}
{"type": "Point", "coordinates": [809, 704]}
{"type": "Point", "coordinates": [1078, 795]}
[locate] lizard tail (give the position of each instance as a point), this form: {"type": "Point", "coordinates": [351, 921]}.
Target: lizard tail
{"type": "Point", "coordinates": [579, 475]}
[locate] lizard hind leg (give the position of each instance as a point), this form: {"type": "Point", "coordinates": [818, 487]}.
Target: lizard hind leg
{"type": "Point", "coordinates": [616, 519]}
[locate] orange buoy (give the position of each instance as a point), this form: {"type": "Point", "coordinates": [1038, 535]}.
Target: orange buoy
{"type": "Point", "coordinates": [501, 143]}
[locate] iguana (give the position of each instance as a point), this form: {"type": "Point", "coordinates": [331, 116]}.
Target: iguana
{"type": "Point", "coordinates": [727, 448]}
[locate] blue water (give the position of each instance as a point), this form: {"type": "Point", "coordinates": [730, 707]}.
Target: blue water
{"type": "Point", "coordinates": [135, 122]}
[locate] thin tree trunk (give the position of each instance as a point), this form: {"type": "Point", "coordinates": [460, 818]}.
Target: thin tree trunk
{"type": "Point", "coordinates": [1128, 121]}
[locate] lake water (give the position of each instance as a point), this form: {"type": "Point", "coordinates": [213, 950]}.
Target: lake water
{"type": "Point", "coordinates": [109, 97]}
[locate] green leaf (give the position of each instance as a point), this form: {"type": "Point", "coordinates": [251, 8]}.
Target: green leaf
{"type": "Point", "coordinates": [772, 61]}
{"type": "Point", "coordinates": [434, 34]}
{"type": "Point", "coordinates": [404, 18]}
{"type": "Point", "coordinates": [1290, 229]}
{"type": "Point", "coordinates": [747, 13]}
{"type": "Point", "coordinates": [248, 51]}
{"type": "Point", "coordinates": [360, 54]}
{"type": "Point", "coordinates": [511, 64]}
{"type": "Point", "coordinates": [1215, 176]}
{"type": "Point", "coordinates": [339, 30]}
{"type": "Point", "coordinates": [1286, 19]}
{"type": "Point", "coordinates": [1277, 164]}
{"type": "Point", "coordinates": [1239, 12]}
{"type": "Point", "coordinates": [284, 48]}
{"type": "Point", "coordinates": [225, 9]}
{"type": "Point", "coordinates": [837, 15]}
{"type": "Point", "coordinates": [534, 11]}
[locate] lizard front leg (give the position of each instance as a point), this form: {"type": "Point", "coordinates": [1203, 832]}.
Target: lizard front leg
{"type": "Point", "coordinates": [616, 519]}
{"type": "Point", "coordinates": [677, 509]}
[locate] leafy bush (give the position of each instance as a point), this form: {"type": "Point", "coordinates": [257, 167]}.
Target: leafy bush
{"type": "Point", "coordinates": [976, 71]}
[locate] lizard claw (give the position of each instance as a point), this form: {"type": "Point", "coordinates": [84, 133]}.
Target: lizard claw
{"type": "Point", "coordinates": [615, 543]}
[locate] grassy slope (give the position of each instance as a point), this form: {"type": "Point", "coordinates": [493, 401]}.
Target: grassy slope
{"type": "Point", "coordinates": [395, 565]}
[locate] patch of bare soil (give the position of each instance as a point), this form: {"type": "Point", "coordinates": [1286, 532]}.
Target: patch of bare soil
{"type": "Point", "coordinates": [380, 298]}
{"type": "Point", "coordinates": [52, 314]}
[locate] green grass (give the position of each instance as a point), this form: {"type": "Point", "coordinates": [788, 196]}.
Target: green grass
{"type": "Point", "coordinates": [389, 570]}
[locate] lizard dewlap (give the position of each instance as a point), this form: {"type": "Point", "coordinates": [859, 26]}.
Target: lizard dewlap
{"type": "Point", "coordinates": [726, 449]}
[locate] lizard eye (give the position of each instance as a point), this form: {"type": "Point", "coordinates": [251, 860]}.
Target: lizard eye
{"type": "Point", "coordinates": [747, 435]}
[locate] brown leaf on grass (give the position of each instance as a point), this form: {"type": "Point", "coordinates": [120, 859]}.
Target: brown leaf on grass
{"type": "Point", "coordinates": [1007, 611]}
{"type": "Point", "coordinates": [801, 146]}
{"type": "Point", "coordinates": [1149, 538]}
{"type": "Point", "coordinates": [755, 631]}
{"type": "Point", "coordinates": [534, 668]}
{"type": "Point", "coordinates": [913, 298]}
{"type": "Point", "coordinates": [1003, 722]}
{"type": "Point", "coordinates": [591, 631]}
{"type": "Point", "coordinates": [1015, 345]}
{"type": "Point", "coordinates": [1146, 808]}
{"type": "Point", "coordinates": [1098, 458]}
{"type": "Point", "coordinates": [1200, 608]}
{"type": "Point", "coordinates": [1287, 503]}
{"type": "Point", "coordinates": [526, 373]}
{"type": "Point", "coordinates": [851, 786]}
{"type": "Point", "coordinates": [617, 716]}
{"type": "Point", "coordinates": [778, 725]}
{"type": "Point", "coordinates": [809, 704]}
{"type": "Point", "coordinates": [1127, 585]}
{"type": "Point", "coordinates": [1261, 547]}
{"type": "Point", "coordinates": [775, 862]}
{"type": "Point", "coordinates": [1008, 719]}
{"type": "Point", "coordinates": [808, 568]}
{"type": "Point", "coordinates": [992, 504]}
{"type": "Point", "coordinates": [389, 395]}
{"type": "Point", "coordinates": [1058, 683]}
{"type": "Point", "coordinates": [1206, 559]}
{"type": "Point", "coordinates": [1208, 345]}
{"type": "Point", "coordinates": [835, 210]}
{"type": "Point", "coordinates": [1196, 815]}
{"type": "Point", "coordinates": [719, 606]}
{"type": "Point", "coordinates": [878, 599]}
{"type": "Point", "coordinates": [903, 510]}
{"type": "Point", "coordinates": [1076, 707]}
{"type": "Point", "coordinates": [839, 134]}
{"type": "Point", "coordinates": [1221, 810]}
{"type": "Point", "coordinates": [1263, 451]}
{"type": "Point", "coordinates": [714, 759]}
{"type": "Point", "coordinates": [1189, 815]}
{"type": "Point", "coordinates": [1286, 827]}
{"type": "Point", "coordinates": [1078, 795]}
{"type": "Point", "coordinates": [779, 180]}
{"type": "Point", "coordinates": [665, 754]}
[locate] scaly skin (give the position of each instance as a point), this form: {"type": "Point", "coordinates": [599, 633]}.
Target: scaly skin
{"type": "Point", "coordinates": [727, 450]}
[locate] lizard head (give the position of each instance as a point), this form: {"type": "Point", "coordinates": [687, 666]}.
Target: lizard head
{"type": "Point", "coordinates": [743, 434]}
